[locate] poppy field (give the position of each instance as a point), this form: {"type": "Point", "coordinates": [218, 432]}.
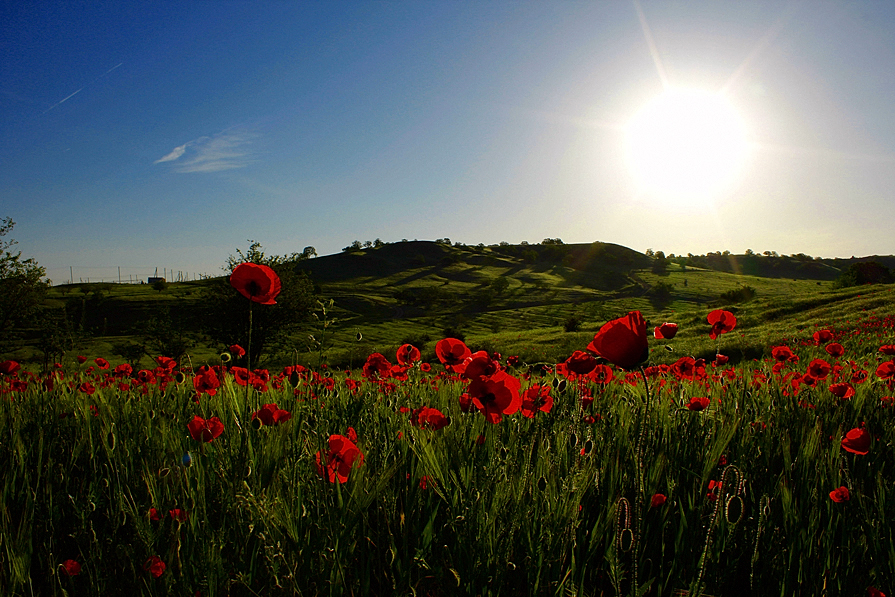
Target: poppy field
{"type": "Point", "coordinates": [625, 469]}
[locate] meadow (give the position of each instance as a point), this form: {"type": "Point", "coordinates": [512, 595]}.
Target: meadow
{"type": "Point", "coordinates": [768, 474]}
{"type": "Point", "coordinates": [530, 457]}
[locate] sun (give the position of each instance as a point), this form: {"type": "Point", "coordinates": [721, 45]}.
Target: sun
{"type": "Point", "coordinates": [686, 146]}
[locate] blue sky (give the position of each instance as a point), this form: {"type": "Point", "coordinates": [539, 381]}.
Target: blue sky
{"type": "Point", "coordinates": [165, 134]}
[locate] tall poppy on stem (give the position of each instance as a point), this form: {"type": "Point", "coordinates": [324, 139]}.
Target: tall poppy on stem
{"type": "Point", "coordinates": [259, 284]}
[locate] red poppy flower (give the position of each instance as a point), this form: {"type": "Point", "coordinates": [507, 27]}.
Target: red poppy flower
{"type": "Point", "coordinates": [257, 283]}
{"type": "Point", "coordinates": [178, 515]}
{"type": "Point", "coordinates": [843, 390]}
{"type": "Point", "coordinates": [496, 395]}
{"type": "Point", "coordinates": [684, 368]}
{"type": "Point", "coordinates": [581, 363]}
{"type": "Point", "coordinates": [9, 367]}
{"type": "Point", "coordinates": [840, 495]}
{"type": "Point", "coordinates": [698, 403]}
{"type": "Point", "coordinates": [429, 418]}
{"type": "Point", "coordinates": [835, 350]}
{"type": "Point", "coordinates": [269, 414]}
{"type": "Point", "coordinates": [822, 336]}
{"type": "Point", "coordinates": [666, 331]}
{"type": "Point", "coordinates": [205, 431]}
{"type": "Point", "coordinates": [888, 349]}
{"type": "Point", "coordinates": [818, 369]}
{"type": "Point", "coordinates": [206, 382]}
{"type": "Point", "coordinates": [720, 359]}
{"type": "Point", "coordinates": [658, 500]}
{"type": "Point", "coordinates": [601, 374]}
{"type": "Point", "coordinates": [81, 359]}
{"type": "Point", "coordinates": [721, 322]}
{"type": "Point", "coordinates": [536, 398]}
{"type": "Point", "coordinates": [154, 515]}
{"type": "Point", "coordinates": [237, 351]}
{"type": "Point", "coordinates": [479, 364]}
{"type": "Point", "coordinates": [155, 566]}
{"type": "Point", "coordinates": [376, 366]}
{"type": "Point", "coordinates": [622, 341]}
{"type": "Point", "coordinates": [408, 354]}
{"type": "Point", "coordinates": [87, 388]}
{"type": "Point", "coordinates": [71, 567]}
{"type": "Point", "coordinates": [874, 592]}
{"type": "Point", "coordinates": [101, 363]}
{"type": "Point", "coordinates": [123, 370]}
{"type": "Point", "coordinates": [783, 353]}
{"type": "Point", "coordinates": [425, 367]}
{"type": "Point", "coordinates": [886, 370]}
{"type": "Point", "coordinates": [340, 459]}
{"type": "Point", "coordinates": [857, 441]}
{"type": "Point", "coordinates": [452, 353]}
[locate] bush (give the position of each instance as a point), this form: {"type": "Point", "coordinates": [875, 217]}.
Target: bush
{"type": "Point", "coordinates": [572, 324]}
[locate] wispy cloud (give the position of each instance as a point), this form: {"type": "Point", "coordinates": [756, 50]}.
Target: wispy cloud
{"type": "Point", "coordinates": [226, 150]}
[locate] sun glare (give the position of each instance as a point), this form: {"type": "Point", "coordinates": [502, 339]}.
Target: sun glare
{"type": "Point", "coordinates": [686, 146]}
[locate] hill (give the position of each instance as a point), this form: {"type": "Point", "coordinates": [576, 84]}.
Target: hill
{"type": "Point", "coordinates": [539, 301]}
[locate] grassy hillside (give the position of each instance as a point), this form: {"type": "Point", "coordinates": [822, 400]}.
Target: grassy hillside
{"type": "Point", "coordinates": [540, 302]}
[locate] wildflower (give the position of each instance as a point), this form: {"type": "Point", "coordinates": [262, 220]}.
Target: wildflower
{"type": "Point", "coordinates": [783, 353]}
{"type": "Point", "coordinates": [857, 441]}
{"type": "Point", "coordinates": [843, 390]}
{"type": "Point", "coordinates": [580, 363]}
{"type": "Point", "coordinates": [178, 515]}
{"type": "Point", "coordinates": [258, 283]}
{"type": "Point", "coordinates": [237, 351]}
{"type": "Point", "coordinates": [376, 366]}
{"type": "Point", "coordinates": [822, 337]}
{"type": "Point", "coordinates": [536, 398]}
{"type": "Point", "coordinates": [698, 403]}
{"type": "Point", "coordinates": [721, 322]}
{"type": "Point", "coordinates": [340, 459]}
{"type": "Point", "coordinates": [452, 353]}
{"type": "Point", "coordinates": [9, 367]}
{"type": "Point", "coordinates": [835, 350]}
{"type": "Point", "coordinates": [666, 331]}
{"type": "Point", "coordinates": [819, 369]}
{"type": "Point", "coordinates": [155, 566]}
{"type": "Point", "coordinates": [101, 363]}
{"type": "Point", "coordinates": [840, 495]}
{"type": "Point", "coordinates": [203, 430]}
{"type": "Point", "coordinates": [206, 382]}
{"type": "Point", "coordinates": [408, 354]}
{"type": "Point", "coordinates": [429, 418]}
{"type": "Point", "coordinates": [658, 500]}
{"type": "Point", "coordinates": [496, 395]}
{"type": "Point", "coordinates": [622, 341]}
{"type": "Point", "coordinates": [71, 567]}
{"type": "Point", "coordinates": [154, 515]}
{"type": "Point", "coordinates": [270, 414]}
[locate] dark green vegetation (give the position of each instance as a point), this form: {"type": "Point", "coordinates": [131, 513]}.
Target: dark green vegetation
{"type": "Point", "coordinates": [538, 301]}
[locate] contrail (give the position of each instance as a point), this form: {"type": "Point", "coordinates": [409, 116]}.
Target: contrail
{"type": "Point", "coordinates": [64, 100]}
{"type": "Point", "coordinates": [82, 88]}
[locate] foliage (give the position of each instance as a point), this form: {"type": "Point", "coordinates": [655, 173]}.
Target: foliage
{"type": "Point", "coordinates": [738, 295]}
{"type": "Point", "coordinates": [866, 272]}
{"type": "Point", "coordinates": [21, 287]}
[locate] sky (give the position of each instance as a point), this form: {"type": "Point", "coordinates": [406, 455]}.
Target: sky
{"type": "Point", "coordinates": [143, 135]}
